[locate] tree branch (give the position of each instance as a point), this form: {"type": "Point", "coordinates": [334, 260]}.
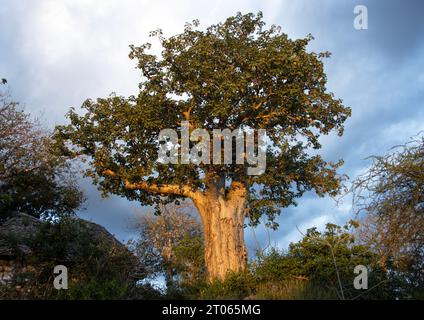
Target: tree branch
{"type": "Point", "coordinates": [185, 191]}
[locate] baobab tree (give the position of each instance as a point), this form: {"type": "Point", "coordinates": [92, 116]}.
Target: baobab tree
{"type": "Point", "coordinates": [233, 75]}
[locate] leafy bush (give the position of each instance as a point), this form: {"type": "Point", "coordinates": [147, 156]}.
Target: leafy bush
{"type": "Point", "coordinates": [235, 286]}
{"type": "Point", "coordinates": [325, 261]}
{"type": "Point", "coordinates": [306, 271]}
{"type": "Point", "coordinates": [99, 267]}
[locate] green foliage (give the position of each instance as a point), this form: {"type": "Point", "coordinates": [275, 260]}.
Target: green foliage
{"type": "Point", "coordinates": [189, 260]}
{"type": "Point", "coordinates": [40, 194]}
{"type": "Point", "coordinates": [306, 271]}
{"type": "Point", "coordinates": [235, 286]}
{"type": "Point", "coordinates": [233, 74]}
{"type": "Point", "coordinates": [311, 260]}
{"type": "Point", "coordinates": [33, 179]}
{"type": "Point", "coordinates": [92, 289]}
{"type": "Point", "coordinates": [146, 292]}
{"type": "Point", "coordinates": [292, 289]}
{"type": "Point", "coordinates": [171, 245]}
{"type": "Point", "coordinates": [91, 260]}
{"type": "Point", "coordinates": [98, 266]}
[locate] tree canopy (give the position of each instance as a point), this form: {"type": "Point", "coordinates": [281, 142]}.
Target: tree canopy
{"type": "Point", "coordinates": [33, 179]}
{"type": "Point", "coordinates": [391, 195]}
{"type": "Point", "coordinates": [171, 245]}
{"type": "Point", "coordinates": [235, 74]}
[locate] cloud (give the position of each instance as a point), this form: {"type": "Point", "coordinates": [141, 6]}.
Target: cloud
{"type": "Point", "coordinates": [56, 54]}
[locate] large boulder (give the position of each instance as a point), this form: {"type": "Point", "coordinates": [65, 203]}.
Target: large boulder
{"type": "Point", "coordinates": [30, 247]}
{"type": "Point", "coordinates": [16, 232]}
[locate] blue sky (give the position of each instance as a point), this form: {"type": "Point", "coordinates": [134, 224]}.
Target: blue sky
{"type": "Point", "coordinates": [55, 54]}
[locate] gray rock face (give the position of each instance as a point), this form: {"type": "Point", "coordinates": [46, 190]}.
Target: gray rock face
{"type": "Point", "coordinates": [17, 234]}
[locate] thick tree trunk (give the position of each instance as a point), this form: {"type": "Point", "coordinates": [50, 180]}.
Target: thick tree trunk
{"type": "Point", "coordinates": [223, 227]}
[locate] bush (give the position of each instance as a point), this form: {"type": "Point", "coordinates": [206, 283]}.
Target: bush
{"type": "Point", "coordinates": [235, 286]}
{"type": "Point", "coordinates": [99, 267]}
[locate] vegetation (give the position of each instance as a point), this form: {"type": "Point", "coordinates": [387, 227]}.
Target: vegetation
{"type": "Point", "coordinates": [98, 266]}
{"type": "Point", "coordinates": [33, 179]}
{"type": "Point", "coordinates": [391, 195]}
{"type": "Point", "coordinates": [306, 271]}
{"type": "Point", "coordinates": [236, 74]}
{"type": "Point", "coordinates": [172, 244]}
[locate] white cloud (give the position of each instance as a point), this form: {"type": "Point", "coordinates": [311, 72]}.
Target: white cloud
{"type": "Point", "coordinates": [73, 50]}
{"type": "Point", "coordinates": [56, 54]}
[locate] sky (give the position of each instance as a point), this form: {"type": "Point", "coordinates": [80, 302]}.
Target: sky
{"type": "Point", "coordinates": [55, 54]}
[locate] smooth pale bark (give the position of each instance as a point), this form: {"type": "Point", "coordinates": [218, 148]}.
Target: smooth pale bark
{"type": "Point", "coordinates": [223, 227]}
{"type": "Point", "coordinates": [222, 212]}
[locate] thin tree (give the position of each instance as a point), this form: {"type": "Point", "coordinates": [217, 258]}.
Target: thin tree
{"type": "Point", "coordinates": [33, 179]}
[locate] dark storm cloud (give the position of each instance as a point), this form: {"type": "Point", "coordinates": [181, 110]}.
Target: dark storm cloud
{"type": "Point", "coordinates": [57, 54]}
{"type": "Point", "coordinates": [116, 214]}
{"type": "Point", "coordinates": [378, 73]}
{"type": "Point", "coordinates": [396, 27]}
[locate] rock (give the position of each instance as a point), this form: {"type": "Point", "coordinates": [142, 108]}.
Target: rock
{"type": "Point", "coordinates": [15, 234]}
{"type": "Point", "coordinates": [17, 245]}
